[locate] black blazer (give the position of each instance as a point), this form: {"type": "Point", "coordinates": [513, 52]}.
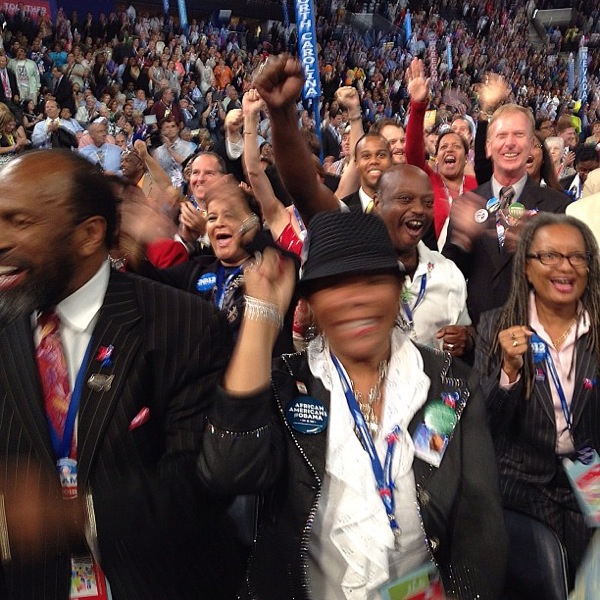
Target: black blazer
{"type": "Point", "coordinates": [13, 86]}
{"type": "Point", "coordinates": [185, 276]}
{"type": "Point", "coordinates": [331, 146]}
{"type": "Point", "coordinates": [160, 533]}
{"type": "Point", "coordinates": [352, 201]}
{"type": "Point", "coordinates": [459, 501]}
{"type": "Point", "coordinates": [64, 94]}
{"type": "Point", "coordinates": [524, 431]}
{"type": "Point", "coordinates": [488, 270]}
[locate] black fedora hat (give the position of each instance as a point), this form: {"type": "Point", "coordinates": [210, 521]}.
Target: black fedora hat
{"type": "Point", "coordinates": [346, 243]}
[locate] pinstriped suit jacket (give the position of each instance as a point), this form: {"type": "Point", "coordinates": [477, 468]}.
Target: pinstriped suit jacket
{"type": "Point", "coordinates": [524, 431]}
{"type": "Point", "coordinates": [160, 534]}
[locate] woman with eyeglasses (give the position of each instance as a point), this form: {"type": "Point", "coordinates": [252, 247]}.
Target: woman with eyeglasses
{"type": "Point", "coordinates": [538, 357]}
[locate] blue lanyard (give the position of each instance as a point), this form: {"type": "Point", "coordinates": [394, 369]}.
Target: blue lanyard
{"type": "Point", "coordinates": [223, 284]}
{"type": "Point", "coordinates": [409, 312]}
{"type": "Point", "coordinates": [383, 474]}
{"type": "Point", "coordinates": [62, 447]}
{"type": "Point", "coordinates": [299, 219]}
{"type": "Point", "coordinates": [561, 394]}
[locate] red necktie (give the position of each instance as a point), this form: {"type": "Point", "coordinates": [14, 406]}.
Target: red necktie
{"type": "Point", "coordinates": [52, 366]}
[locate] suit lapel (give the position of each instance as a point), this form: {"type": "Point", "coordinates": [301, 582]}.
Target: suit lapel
{"type": "Point", "coordinates": [116, 327]}
{"type": "Point", "coordinates": [20, 378]}
{"type": "Point", "coordinates": [586, 368]}
{"type": "Point", "coordinates": [543, 395]}
{"type": "Point", "coordinates": [312, 446]}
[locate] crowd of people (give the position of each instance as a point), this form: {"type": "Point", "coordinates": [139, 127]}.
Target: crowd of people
{"type": "Point", "coordinates": [245, 354]}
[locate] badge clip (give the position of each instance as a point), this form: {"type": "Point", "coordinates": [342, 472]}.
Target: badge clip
{"type": "Point", "coordinates": [100, 383]}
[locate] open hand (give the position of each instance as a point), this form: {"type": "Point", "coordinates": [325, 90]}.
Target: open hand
{"type": "Point", "coordinates": [417, 84]}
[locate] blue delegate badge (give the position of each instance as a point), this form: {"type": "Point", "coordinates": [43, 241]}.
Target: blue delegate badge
{"type": "Point", "coordinates": [306, 414]}
{"type": "Point", "coordinates": [206, 282]}
{"type": "Point", "coordinates": [538, 348]}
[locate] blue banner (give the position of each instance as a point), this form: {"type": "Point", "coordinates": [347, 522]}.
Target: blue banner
{"type": "Point", "coordinates": [583, 73]}
{"type": "Point", "coordinates": [183, 22]}
{"type": "Point", "coordinates": [571, 73]}
{"type": "Point", "coordinates": [449, 55]}
{"type": "Point", "coordinates": [166, 6]}
{"type": "Point", "coordinates": [307, 49]}
{"type": "Point", "coordinates": [408, 27]}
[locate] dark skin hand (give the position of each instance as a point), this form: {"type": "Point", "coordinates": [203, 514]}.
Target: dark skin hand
{"type": "Point", "coordinates": [279, 82]}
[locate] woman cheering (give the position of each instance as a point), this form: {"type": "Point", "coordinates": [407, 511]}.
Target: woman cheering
{"type": "Point", "coordinates": [374, 454]}
{"type": "Point", "coordinates": [538, 356]}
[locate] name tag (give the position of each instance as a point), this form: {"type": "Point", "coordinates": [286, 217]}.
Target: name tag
{"type": "Point", "coordinates": [87, 579]}
{"type": "Point", "coordinates": [425, 582]}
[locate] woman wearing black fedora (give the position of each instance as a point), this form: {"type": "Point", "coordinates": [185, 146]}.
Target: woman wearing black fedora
{"type": "Point", "coordinates": [374, 454]}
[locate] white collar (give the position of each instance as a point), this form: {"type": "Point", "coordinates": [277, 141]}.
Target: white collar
{"type": "Point", "coordinates": [78, 309]}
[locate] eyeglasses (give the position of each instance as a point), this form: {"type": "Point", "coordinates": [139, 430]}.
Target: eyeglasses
{"type": "Point", "coordinates": [553, 259]}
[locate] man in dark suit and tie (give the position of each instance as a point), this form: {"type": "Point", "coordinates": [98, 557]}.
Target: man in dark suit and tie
{"type": "Point", "coordinates": [9, 91]}
{"type": "Point", "coordinates": [62, 90]}
{"type": "Point", "coordinates": [484, 229]}
{"type": "Point", "coordinates": [372, 156]}
{"type": "Point", "coordinates": [105, 381]}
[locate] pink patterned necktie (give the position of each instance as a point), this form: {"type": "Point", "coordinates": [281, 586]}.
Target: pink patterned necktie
{"type": "Point", "coordinates": [52, 366]}
{"type": "Point", "coordinates": [6, 85]}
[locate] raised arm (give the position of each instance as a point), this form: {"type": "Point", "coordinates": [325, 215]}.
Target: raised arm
{"type": "Point", "coordinates": [279, 83]}
{"type": "Point", "coordinates": [170, 195]}
{"type": "Point", "coordinates": [347, 96]}
{"type": "Point", "coordinates": [418, 89]}
{"type": "Point", "coordinates": [269, 286]}
{"type": "Point", "coordinates": [274, 212]}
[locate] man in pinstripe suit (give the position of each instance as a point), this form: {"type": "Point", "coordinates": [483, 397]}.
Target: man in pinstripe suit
{"type": "Point", "coordinates": [154, 356]}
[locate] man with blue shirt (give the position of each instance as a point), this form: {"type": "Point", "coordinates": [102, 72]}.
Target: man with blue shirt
{"type": "Point", "coordinates": [107, 156]}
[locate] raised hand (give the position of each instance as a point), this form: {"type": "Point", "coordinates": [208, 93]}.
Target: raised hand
{"type": "Point", "coordinates": [492, 92]}
{"type": "Point", "coordinates": [271, 278]}
{"type": "Point", "coordinates": [234, 121]}
{"type": "Point", "coordinates": [347, 96]}
{"type": "Point", "coordinates": [417, 84]}
{"type": "Point", "coordinates": [252, 103]}
{"type": "Point", "coordinates": [279, 81]}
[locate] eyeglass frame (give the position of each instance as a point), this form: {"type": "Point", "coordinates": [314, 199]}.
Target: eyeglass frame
{"type": "Point", "coordinates": [538, 256]}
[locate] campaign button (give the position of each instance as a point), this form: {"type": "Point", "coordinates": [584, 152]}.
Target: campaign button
{"type": "Point", "coordinates": [206, 282]}
{"type": "Point", "coordinates": [481, 215]}
{"type": "Point", "coordinates": [307, 414]}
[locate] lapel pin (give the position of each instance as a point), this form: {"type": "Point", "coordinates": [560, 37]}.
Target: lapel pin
{"type": "Point", "coordinates": [589, 384]}
{"type": "Point", "coordinates": [100, 383]}
{"type": "Point", "coordinates": [104, 356]}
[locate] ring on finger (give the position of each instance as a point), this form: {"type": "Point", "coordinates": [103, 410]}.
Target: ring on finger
{"type": "Point", "coordinates": [515, 343]}
{"type": "Point", "coordinates": [450, 346]}
{"type": "Point", "coordinates": [513, 336]}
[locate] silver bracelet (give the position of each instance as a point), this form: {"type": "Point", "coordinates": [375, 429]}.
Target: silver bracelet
{"type": "Point", "coordinates": [260, 310]}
